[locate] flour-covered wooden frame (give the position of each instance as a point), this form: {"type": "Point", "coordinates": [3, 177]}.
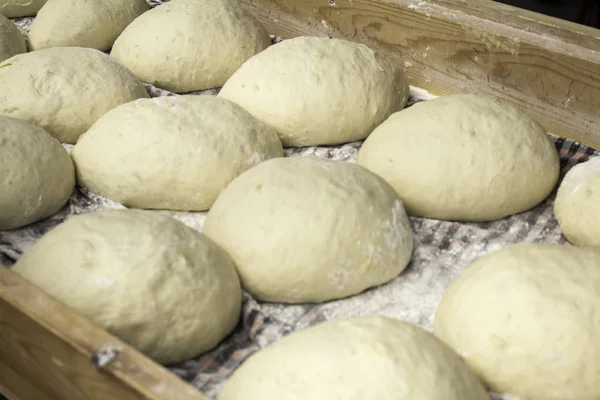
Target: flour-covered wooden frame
{"type": "Point", "coordinates": [549, 67]}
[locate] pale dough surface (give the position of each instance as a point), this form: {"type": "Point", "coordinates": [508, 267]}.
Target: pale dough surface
{"type": "Point", "coordinates": [577, 205]}
{"type": "Point", "coordinates": [464, 158]}
{"type": "Point", "coordinates": [36, 174]}
{"type": "Point", "coordinates": [160, 286]}
{"type": "Point", "coordinates": [319, 91]}
{"type": "Point", "coordinates": [526, 319]}
{"type": "Point", "coordinates": [65, 89]}
{"type": "Point", "coordinates": [20, 8]}
{"type": "Point", "coordinates": [12, 41]}
{"type": "Point", "coordinates": [198, 46]}
{"type": "Point", "coordinates": [359, 358]}
{"type": "Point", "coordinates": [305, 229]}
{"type": "Point", "coordinates": [174, 153]}
{"type": "Point", "coordinates": [93, 24]}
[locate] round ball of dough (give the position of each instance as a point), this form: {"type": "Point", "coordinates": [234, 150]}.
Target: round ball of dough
{"type": "Point", "coordinates": [318, 91]}
{"type": "Point", "coordinates": [358, 358]}
{"type": "Point", "coordinates": [525, 318]}
{"type": "Point", "coordinates": [577, 206]}
{"type": "Point", "coordinates": [12, 41]}
{"type": "Point", "coordinates": [200, 45]}
{"type": "Point", "coordinates": [174, 153]}
{"type": "Point", "coordinates": [65, 89]}
{"type": "Point", "coordinates": [160, 286]}
{"type": "Point", "coordinates": [464, 158]}
{"type": "Point", "coordinates": [306, 229]}
{"type": "Point", "coordinates": [36, 174]}
{"type": "Point", "coordinates": [20, 8]}
{"type": "Point", "coordinates": [94, 24]}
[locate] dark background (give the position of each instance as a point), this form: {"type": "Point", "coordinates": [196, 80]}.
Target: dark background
{"type": "Point", "coordinates": [585, 12]}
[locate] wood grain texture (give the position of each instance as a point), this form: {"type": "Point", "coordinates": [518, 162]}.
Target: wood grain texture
{"type": "Point", "coordinates": [548, 67]}
{"type": "Point", "coordinates": [46, 351]}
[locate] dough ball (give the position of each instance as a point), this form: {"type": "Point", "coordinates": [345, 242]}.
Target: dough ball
{"type": "Point", "coordinates": [36, 174]}
{"type": "Point", "coordinates": [318, 91]}
{"type": "Point", "coordinates": [12, 41]}
{"type": "Point", "coordinates": [174, 153]}
{"type": "Point", "coordinates": [65, 89]}
{"type": "Point", "coordinates": [200, 45]}
{"type": "Point", "coordinates": [94, 24]}
{"type": "Point", "coordinates": [368, 357]}
{"type": "Point", "coordinates": [464, 158]}
{"type": "Point", "coordinates": [577, 205]}
{"type": "Point", "coordinates": [306, 229]}
{"type": "Point", "coordinates": [20, 8]}
{"type": "Point", "coordinates": [160, 286]}
{"type": "Point", "coordinates": [526, 320]}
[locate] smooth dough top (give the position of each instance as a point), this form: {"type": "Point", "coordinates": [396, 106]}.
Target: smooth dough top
{"type": "Point", "coordinates": [368, 357]}
{"type": "Point", "coordinates": [526, 319]}
{"type": "Point", "coordinates": [577, 205]}
{"type": "Point", "coordinates": [307, 229]}
{"type": "Point", "coordinates": [463, 157]}
{"type": "Point", "coordinates": [93, 24]}
{"type": "Point", "coordinates": [36, 174]}
{"type": "Point", "coordinates": [12, 41]}
{"type": "Point", "coordinates": [65, 89]}
{"type": "Point", "coordinates": [20, 8]}
{"type": "Point", "coordinates": [317, 91]}
{"type": "Point", "coordinates": [157, 284]}
{"type": "Point", "coordinates": [198, 44]}
{"type": "Point", "coordinates": [175, 152]}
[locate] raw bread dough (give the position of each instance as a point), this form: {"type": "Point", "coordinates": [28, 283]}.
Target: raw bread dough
{"type": "Point", "coordinates": [94, 24]}
{"type": "Point", "coordinates": [464, 158]}
{"type": "Point", "coordinates": [20, 8]}
{"type": "Point", "coordinates": [526, 320]}
{"type": "Point", "coordinates": [317, 91]}
{"type": "Point", "coordinates": [174, 153]}
{"type": "Point", "coordinates": [12, 41]}
{"type": "Point", "coordinates": [200, 44]}
{"type": "Point", "coordinates": [65, 89]}
{"type": "Point", "coordinates": [368, 357]}
{"type": "Point", "coordinates": [160, 286]}
{"type": "Point", "coordinates": [36, 174]}
{"type": "Point", "coordinates": [306, 229]}
{"type": "Point", "coordinates": [577, 205]}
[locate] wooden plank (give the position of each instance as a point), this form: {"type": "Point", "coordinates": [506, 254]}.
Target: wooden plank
{"type": "Point", "coordinates": [549, 67]}
{"type": "Point", "coordinates": [46, 352]}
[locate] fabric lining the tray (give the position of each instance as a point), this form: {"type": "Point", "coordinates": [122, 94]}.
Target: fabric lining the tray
{"type": "Point", "coordinates": [442, 250]}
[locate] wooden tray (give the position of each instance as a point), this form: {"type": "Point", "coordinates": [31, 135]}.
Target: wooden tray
{"type": "Point", "coordinates": [549, 67]}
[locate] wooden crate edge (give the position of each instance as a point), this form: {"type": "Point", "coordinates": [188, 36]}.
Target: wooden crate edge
{"type": "Point", "coordinates": [31, 320]}
{"type": "Point", "coordinates": [548, 67]}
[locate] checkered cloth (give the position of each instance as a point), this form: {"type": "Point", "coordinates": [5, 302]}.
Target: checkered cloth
{"type": "Point", "coordinates": [442, 250]}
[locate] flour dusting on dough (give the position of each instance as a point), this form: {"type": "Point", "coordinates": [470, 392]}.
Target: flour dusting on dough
{"type": "Point", "coordinates": [577, 177]}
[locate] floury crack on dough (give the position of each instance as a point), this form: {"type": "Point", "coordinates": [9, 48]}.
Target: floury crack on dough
{"type": "Point", "coordinates": [94, 24]}
{"type": "Point", "coordinates": [526, 320]}
{"type": "Point", "coordinates": [368, 357]}
{"type": "Point", "coordinates": [305, 229]}
{"type": "Point", "coordinates": [174, 153]}
{"type": "Point", "coordinates": [65, 89]}
{"type": "Point", "coordinates": [463, 158]}
{"type": "Point", "coordinates": [12, 41]}
{"type": "Point", "coordinates": [189, 45]}
{"type": "Point", "coordinates": [577, 205]}
{"type": "Point", "coordinates": [20, 8]}
{"type": "Point", "coordinates": [36, 174]}
{"type": "Point", "coordinates": [319, 91]}
{"type": "Point", "coordinates": [158, 285]}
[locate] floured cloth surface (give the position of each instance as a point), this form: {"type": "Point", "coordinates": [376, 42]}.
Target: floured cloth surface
{"type": "Point", "coordinates": [442, 250]}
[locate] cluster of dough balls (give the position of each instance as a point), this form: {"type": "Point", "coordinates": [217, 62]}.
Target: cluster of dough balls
{"type": "Point", "coordinates": [288, 230]}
